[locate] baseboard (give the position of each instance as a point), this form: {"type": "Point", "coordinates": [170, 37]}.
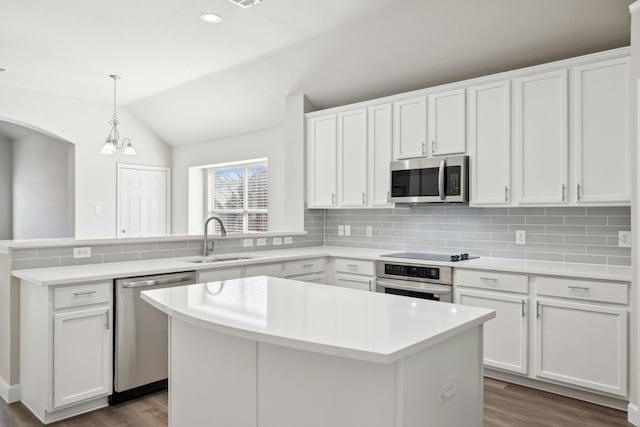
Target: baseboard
{"type": "Point", "coordinates": [10, 393]}
{"type": "Point", "coordinates": [632, 414]}
{"type": "Point", "coordinates": [618, 403]}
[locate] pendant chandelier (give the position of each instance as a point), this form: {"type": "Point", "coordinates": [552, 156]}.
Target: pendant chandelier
{"type": "Point", "coordinates": [113, 143]}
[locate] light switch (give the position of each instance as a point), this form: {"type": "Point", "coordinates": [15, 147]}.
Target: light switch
{"type": "Point", "coordinates": [288, 240]}
{"type": "Point", "coordinates": [347, 230]}
{"type": "Point", "coordinates": [98, 210]}
{"type": "Point", "coordinates": [521, 237]}
{"type": "Point", "coordinates": [82, 252]}
{"type": "Point", "coordinates": [369, 231]}
{"type": "Point", "coordinates": [247, 243]}
{"type": "Point", "coordinates": [341, 230]}
{"type": "Point", "coordinates": [261, 242]}
{"type": "Point", "coordinates": [624, 239]}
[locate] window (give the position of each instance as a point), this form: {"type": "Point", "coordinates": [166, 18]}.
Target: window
{"type": "Point", "coordinates": [238, 194]}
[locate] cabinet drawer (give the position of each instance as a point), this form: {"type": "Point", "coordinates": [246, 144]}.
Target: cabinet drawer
{"type": "Point", "coordinates": [491, 280]}
{"type": "Point", "coordinates": [313, 278]}
{"type": "Point", "coordinates": [305, 266]}
{"type": "Point", "coordinates": [74, 296]}
{"type": "Point", "coordinates": [219, 274]}
{"type": "Point", "coordinates": [613, 292]}
{"type": "Point", "coordinates": [353, 266]}
{"type": "Point", "coordinates": [355, 282]}
{"type": "Point", "coordinates": [271, 270]}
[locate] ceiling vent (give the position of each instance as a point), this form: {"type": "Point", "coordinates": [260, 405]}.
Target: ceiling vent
{"type": "Point", "coordinates": [245, 3]}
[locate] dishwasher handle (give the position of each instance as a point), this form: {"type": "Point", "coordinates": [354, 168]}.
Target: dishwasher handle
{"type": "Point", "coordinates": [157, 282]}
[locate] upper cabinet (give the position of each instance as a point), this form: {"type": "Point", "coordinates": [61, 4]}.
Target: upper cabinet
{"type": "Point", "coordinates": [600, 126]}
{"type": "Point", "coordinates": [490, 143]}
{"type": "Point", "coordinates": [380, 154]}
{"type": "Point", "coordinates": [321, 161]}
{"type": "Point", "coordinates": [542, 139]}
{"type": "Point", "coordinates": [410, 128]}
{"type": "Point", "coordinates": [550, 135]}
{"type": "Point", "coordinates": [447, 123]}
{"type": "Point", "coordinates": [352, 158]}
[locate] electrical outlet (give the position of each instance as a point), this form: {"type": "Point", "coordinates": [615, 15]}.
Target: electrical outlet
{"type": "Point", "coordinates": [369, 231]}
{"type": "Point", "coordinates": [447, 389]}
{"type": "Point", "coordinates": [98, 210]}
{"type": "Point", "coordinates": [341, 230]}
{"type": "Point", "coordinates": [624, 239]}
{"type": "Point", "coordinates": [347, 230]}
{"type": "Point", "coordinates": [247, 243]}
{"type": "Point", "coordinates": [288, 240]}
{"type": "Point", "coordinates": [261, 242]}
{"type": "Point", "coordinates": [82, 252]}
{"type": "Point", "coordinates": [521, 237]}
{"type": "Point", "coordinates": [277, 241]}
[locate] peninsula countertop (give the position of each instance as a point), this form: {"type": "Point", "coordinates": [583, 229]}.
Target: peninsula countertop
{"type": "Point", "coordinates": [331, 320]}
{"type": "Point", "coordinates": [107, 271]}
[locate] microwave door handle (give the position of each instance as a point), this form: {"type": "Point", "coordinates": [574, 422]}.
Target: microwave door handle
{"type": "Point", "coordinates": [441, 180]}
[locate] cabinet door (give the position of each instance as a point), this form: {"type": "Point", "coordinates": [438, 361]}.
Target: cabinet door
{"type": "Point", "coordinates": [410, 128]}
{"type": "Point", "coordinates": [601, 132]}
{"type": "Point", "coordinates": [380, 155]}
{"type": "Point", "coordinates": [582, 344]}
{"type": "Point", "coordinates": [505, 336]}
{"type": "Point", "coordinates": [321, 161]}
{"type": "Point", "coordinates": [541, 136]}
{"type": "Point", "coordinates": [362, 283]}
{"type": "Point", "coordinates": [81, 355]}
{"type": "Point", "coordinates": [447, 123]}
{"type": "Point", "coordinates": [271, 270]}
{"type": "Point", "coordinates": [352, 158]}
{"type": "Point", "coordinates": [490, 139]}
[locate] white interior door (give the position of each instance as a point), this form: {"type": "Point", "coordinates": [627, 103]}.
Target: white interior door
{"type": "Point", "coordinates": [143, 197]}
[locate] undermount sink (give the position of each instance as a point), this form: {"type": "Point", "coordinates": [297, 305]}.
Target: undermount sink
{"type": "Point", "coordinates": [218, 259]}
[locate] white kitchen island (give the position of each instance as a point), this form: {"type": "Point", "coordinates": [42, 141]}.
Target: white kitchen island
{"type": "Point", "coordinates": [270, 352]}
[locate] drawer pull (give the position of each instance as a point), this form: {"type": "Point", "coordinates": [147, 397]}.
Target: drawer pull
{"type": "Point", "coordinates": [489, 279]}
{"type": "Point", "coordinates": [77, 294]}
{"type": "Point", "coordinates": [352, 265]}
{"type": "Point", "coordinates": [523, 308]}
{"type": "Point", "coordinates": [579, 288]}
{"type": "Point", "coordinates": [538, 313]}
{"type": "Point", "coordinates": [307, 266]}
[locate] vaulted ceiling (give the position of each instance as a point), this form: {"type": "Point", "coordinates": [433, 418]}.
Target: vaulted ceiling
{"type": "Point", "coordinates": [190, 82]}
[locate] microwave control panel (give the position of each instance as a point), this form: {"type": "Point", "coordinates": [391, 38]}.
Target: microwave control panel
{"type": "Point", "coordinates": [453, 180]}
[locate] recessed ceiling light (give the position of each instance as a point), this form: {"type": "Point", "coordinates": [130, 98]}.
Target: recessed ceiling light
{"type": "Point", "coordinates": [210, 18]}
{"type": "Point", "coordinates": [2, 69]}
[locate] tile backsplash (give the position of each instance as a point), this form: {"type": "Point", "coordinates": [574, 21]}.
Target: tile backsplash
{"type": "Point", "coordinates": [63, 255]}
{"type": "Point", "coordinates": [570, 234]}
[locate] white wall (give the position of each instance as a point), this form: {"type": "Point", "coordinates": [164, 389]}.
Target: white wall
{"type": "Point", "coordinates": [86, 125]}
{"type": "Point", "coordinates": [6, 231]}
{"type": "Point", "coordinates": [42, 187]}
{"type": "Point", "coordinates": [267, 143]}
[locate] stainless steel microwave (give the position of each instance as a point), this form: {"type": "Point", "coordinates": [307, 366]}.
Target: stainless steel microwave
{"type": "Point", "coordinates": [430, 180]}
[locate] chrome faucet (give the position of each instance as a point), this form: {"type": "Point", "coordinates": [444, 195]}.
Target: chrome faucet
{"type": "Point", "coordinates": [223, 233]}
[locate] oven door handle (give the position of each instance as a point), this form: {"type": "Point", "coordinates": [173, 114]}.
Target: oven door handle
{"type": "Point", "coordinates": [441, 191]}
{"type": "Point", "coordinates": [423, 287]}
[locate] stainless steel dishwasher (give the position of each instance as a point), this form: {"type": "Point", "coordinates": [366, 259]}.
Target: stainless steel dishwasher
{"type": "Point", "coordinates": [140, 362]}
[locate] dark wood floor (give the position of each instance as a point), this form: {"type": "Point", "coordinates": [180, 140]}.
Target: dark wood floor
{"type": "Point", "coordinates": [506, 405]}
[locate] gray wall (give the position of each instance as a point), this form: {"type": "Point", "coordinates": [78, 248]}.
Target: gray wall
{"type": "Point", "coordinates": [43, 187]}
{"type": "Point", "coordinates": [585, 235]}
{"type": "Point", "coordinates": [6, 172]}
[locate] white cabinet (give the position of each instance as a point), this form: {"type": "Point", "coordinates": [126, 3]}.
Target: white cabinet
{"type": "Point", "coordinates": [542, 138]}
{"type": "Point", "coordinates": [380, 154]}
{"type": "Point", "coordinates": [66, 342]}
{"type": "Point", "coordinates": [490, 144]}
{"type": "Point", "coordinates": [410, 128]}
{"type": "Point", "coordinates": [321, 161]}
{"type": "Point", "coordinates": [447, 123]}
{"type": "Point", "coordinates": [352, 158]}
{"type": "Point", "coordinates": [271, 270]}
{"type": "Point", "coordinates": [601, 114]}
{"type": "Point", "coordinates": [81, 355]}
{"type": "Point", "coordinates": [220, 274]}
{"type": "Point", "coordinates": [582, 344]}
{"type": "Point", "coordinates": [505, 336]}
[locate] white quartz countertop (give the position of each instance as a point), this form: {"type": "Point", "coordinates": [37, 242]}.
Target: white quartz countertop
{"type": "Point", "coordinates": [107, 271]}
{"type": "Point", "coordinates": [326, 319]}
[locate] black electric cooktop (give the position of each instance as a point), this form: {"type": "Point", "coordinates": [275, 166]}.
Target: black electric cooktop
{"type": "Point", "coordinates": [431, 257]}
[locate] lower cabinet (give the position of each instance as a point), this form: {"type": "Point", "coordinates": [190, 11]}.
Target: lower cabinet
{"type": "Point", "coordinates": [81, 355]}
{"type": "Point", "coordinates": [66, 341]}
{"type": "Point", "coordinates": [505, 336]}
{"type": "Point", "coordinates": [582, 344]}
